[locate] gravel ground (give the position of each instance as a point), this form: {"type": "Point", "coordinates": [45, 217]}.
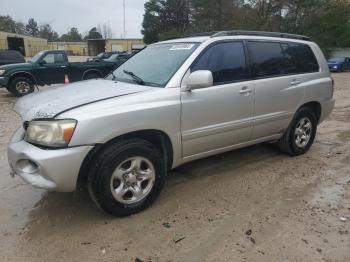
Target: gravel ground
{"type": "Point", "coordinates": [254, 204]}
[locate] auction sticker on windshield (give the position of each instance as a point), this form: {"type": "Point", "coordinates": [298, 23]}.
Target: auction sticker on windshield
{"type": "Point", "coordinates": [182, 47]}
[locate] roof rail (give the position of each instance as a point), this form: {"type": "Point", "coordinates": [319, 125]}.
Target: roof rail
{"type": "Point", "coordinates": [260, 33]}
{"type": "Point", "coordinates": [204, 34]}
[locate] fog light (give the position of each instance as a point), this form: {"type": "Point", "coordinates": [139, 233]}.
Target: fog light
{"type": "Point", "coordinates": [26, 166]}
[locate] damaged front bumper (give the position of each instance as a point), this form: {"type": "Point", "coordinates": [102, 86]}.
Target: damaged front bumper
{"type": "Point", "coordinates": [54, 170]}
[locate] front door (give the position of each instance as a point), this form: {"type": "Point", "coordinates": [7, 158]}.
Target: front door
{"type": "Point", "coordinates": [217, 117]}
{"type": "Point", "coordinates": [52, 68]}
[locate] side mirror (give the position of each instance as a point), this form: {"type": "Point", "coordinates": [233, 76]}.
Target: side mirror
{"type": "Point", "coordinates": [42, 62]}
{"type": "Point", "coordinates": [200, 79]}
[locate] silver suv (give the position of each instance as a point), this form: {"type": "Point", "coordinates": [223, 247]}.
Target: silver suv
{"type": "Point", "coordinates": [173, 102]}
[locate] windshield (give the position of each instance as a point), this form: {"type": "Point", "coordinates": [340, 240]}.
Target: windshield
{"type": "Point", "coordinates": [336, 60]}
{"type": "Point", "coordinates": [156, 64]}
{"type": "Point", "coordinates": [36, 57]}
{"type": "Point", "coordinates": [112, 57]}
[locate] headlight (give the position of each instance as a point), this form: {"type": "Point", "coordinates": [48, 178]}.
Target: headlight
{"type": "Point", "coordinates": [50, 133]}
{"type": "Point", "coordinates": [2, 71]}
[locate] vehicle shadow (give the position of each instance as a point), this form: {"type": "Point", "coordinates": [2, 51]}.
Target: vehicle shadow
{"type": "Point", "coordinates": [75, 210]}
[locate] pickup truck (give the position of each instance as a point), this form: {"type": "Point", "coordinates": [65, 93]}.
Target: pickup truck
{"type": "Point", "coordinates": [49, 67]}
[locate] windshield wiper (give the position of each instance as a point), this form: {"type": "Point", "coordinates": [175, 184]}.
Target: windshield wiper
{"type": "Point", "coordinates": [136, 78]}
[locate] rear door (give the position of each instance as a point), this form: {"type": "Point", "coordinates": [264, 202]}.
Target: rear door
{"type": "Point", "coordinates": [53, 68]}
{"type": "Point", "coordinates": [219, 116]}
{"type": "Point", "coordinates": [280, 71]}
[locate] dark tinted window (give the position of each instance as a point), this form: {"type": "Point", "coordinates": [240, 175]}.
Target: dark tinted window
{"type": "Point", "coordinates": [266, 59]}
{"type": "Point", "coordinates": [307, 62]}
{"type": "Point", "coordinates": [290, 62]}
{"type": "Point", "coordinates": [226, 61]}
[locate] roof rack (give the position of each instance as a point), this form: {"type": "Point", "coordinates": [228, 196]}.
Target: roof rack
{"type": "Point", "coordinates": [260, 33]}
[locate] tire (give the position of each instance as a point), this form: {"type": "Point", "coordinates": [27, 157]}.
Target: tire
{"type": "Point", "coordinates": [290, 143]}
{"type": "Point", "coordinates": [89, 76]}
{"type": "Point", "coordinates": [21, 86]}
{"type": "Point", "coordinates": [112, 183]}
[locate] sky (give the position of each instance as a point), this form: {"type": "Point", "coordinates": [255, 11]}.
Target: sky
{"type": "Point", "coordinates": [83, 14]}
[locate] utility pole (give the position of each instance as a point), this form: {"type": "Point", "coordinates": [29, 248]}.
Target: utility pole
{"type": "Point", "coordinates": [124, 19]}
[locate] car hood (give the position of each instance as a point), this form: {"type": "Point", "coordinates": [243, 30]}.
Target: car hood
{"type": "Point", "coordinates": [49, 103]}
{"type": "Point", "coordinates": [10, 66]}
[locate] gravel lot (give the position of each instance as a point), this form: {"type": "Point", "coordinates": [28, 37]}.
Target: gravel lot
{"type": "Point", "coordinates": [254, 204]}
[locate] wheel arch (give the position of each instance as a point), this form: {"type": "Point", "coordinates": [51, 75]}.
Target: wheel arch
{"type": "Point", "coordinates": [158, 138]}
{"type": "Point", "coordinates": [90, 71]}
{"type": "Point", "coordinates": [23, 74]}
{"type": "Point", "coordinates": [315, 107]}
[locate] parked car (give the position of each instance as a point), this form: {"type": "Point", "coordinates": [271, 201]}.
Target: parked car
{"type": "Point", "coordinates": [46, 68]}
{"type": "Point", "coordinates": [101, 56]}
{"type": "Point", "coordinates": [173, 102]}
{"type": "Point", "coordinates": [339, 64]}
{"type": "Point", "coordinates": [11, 57]}
{"type": "Point", "coordinates": [118, 59]}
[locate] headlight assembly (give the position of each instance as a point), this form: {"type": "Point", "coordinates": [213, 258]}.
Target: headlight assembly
{"type": "Point", "coordinates": [50, 133]}
{"type": "Point", "coordinates": [2, 71]}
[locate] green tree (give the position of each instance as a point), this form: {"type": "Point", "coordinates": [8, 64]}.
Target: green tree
{"type": "Point", "coordinates": [7, 24]}
{"type": "Point", "coordinates": [45, 31]}
{"type": "Point", "coordinates": [72, 36]}
{"type": "Point", "coordinates": [151, 21]}
{"type": "Point", "coordinates": [93, 34]}
{"type": "Point", "coordinates": [32, 28]}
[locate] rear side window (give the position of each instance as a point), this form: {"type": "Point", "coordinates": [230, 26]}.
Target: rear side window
{"type": "Point", "coordinates": [290, 61]}
{"type": "Point", "coordinates": [267, 58]}
{"type": "Point", "coordinates": [306, 60]}
{"type": "Point", "coordinates": [226, 61]}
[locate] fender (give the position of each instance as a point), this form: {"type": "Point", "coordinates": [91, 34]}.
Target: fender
{"type": "Point", "coordinates": [25, 73]}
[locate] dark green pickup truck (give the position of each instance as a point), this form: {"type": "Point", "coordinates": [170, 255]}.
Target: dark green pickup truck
{"type": "Point", "coordinates": [49, 67]}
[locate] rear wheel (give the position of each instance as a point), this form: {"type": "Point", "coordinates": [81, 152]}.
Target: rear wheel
{"type": "Point", "coordinates": [21, 86]}
{"type": "Point", "coordinates": [127, 177]}
{"type": "Point", "coordinates": [92, 76]}
{"type": "Point", "coordinates": [300, 135]}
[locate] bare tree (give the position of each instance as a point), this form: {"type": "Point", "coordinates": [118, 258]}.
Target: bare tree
{"type": "Point", "coordinates": [105, 30]}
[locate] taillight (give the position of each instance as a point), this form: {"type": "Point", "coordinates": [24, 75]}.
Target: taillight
{"type": "Point", "coordinates": [332, 86]}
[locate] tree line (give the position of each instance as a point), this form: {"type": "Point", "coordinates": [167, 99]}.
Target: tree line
{"type": "Point", "coordinates": [44, 30]}
{"type": "Point", "coordinates": [326, 21]}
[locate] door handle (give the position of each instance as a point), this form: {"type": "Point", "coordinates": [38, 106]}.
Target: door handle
{"type": "Point", "coordinates": [295, 82]}
{"type": "Point", "coordinates": [63, 66]}
{"type": "Point", "coordinates": [245, 90]}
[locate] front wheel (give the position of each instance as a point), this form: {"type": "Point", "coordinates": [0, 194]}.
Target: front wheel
{"type": "Point", "coordinates": [127, 177]}
{"type": "Point", "coordinates": [21, 86]}
{"type": "Point", "coordinates": [301, 133]}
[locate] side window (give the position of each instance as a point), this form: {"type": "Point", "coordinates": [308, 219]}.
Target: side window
{"type": "Point", "coordinates": [307, 62]}
{"type": "Point", "coordinates": [290, 62]}
{"type": "Point", "coordinates": [49, 59]}
{"type": "Point", "coordinates": [267, 59]}
{"type": "Point", "coordinates": [59, 58]}
{"type": "Point", "coordinates": [54, 58]}
{"type": "Point", "coordinates": [226, 61]}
